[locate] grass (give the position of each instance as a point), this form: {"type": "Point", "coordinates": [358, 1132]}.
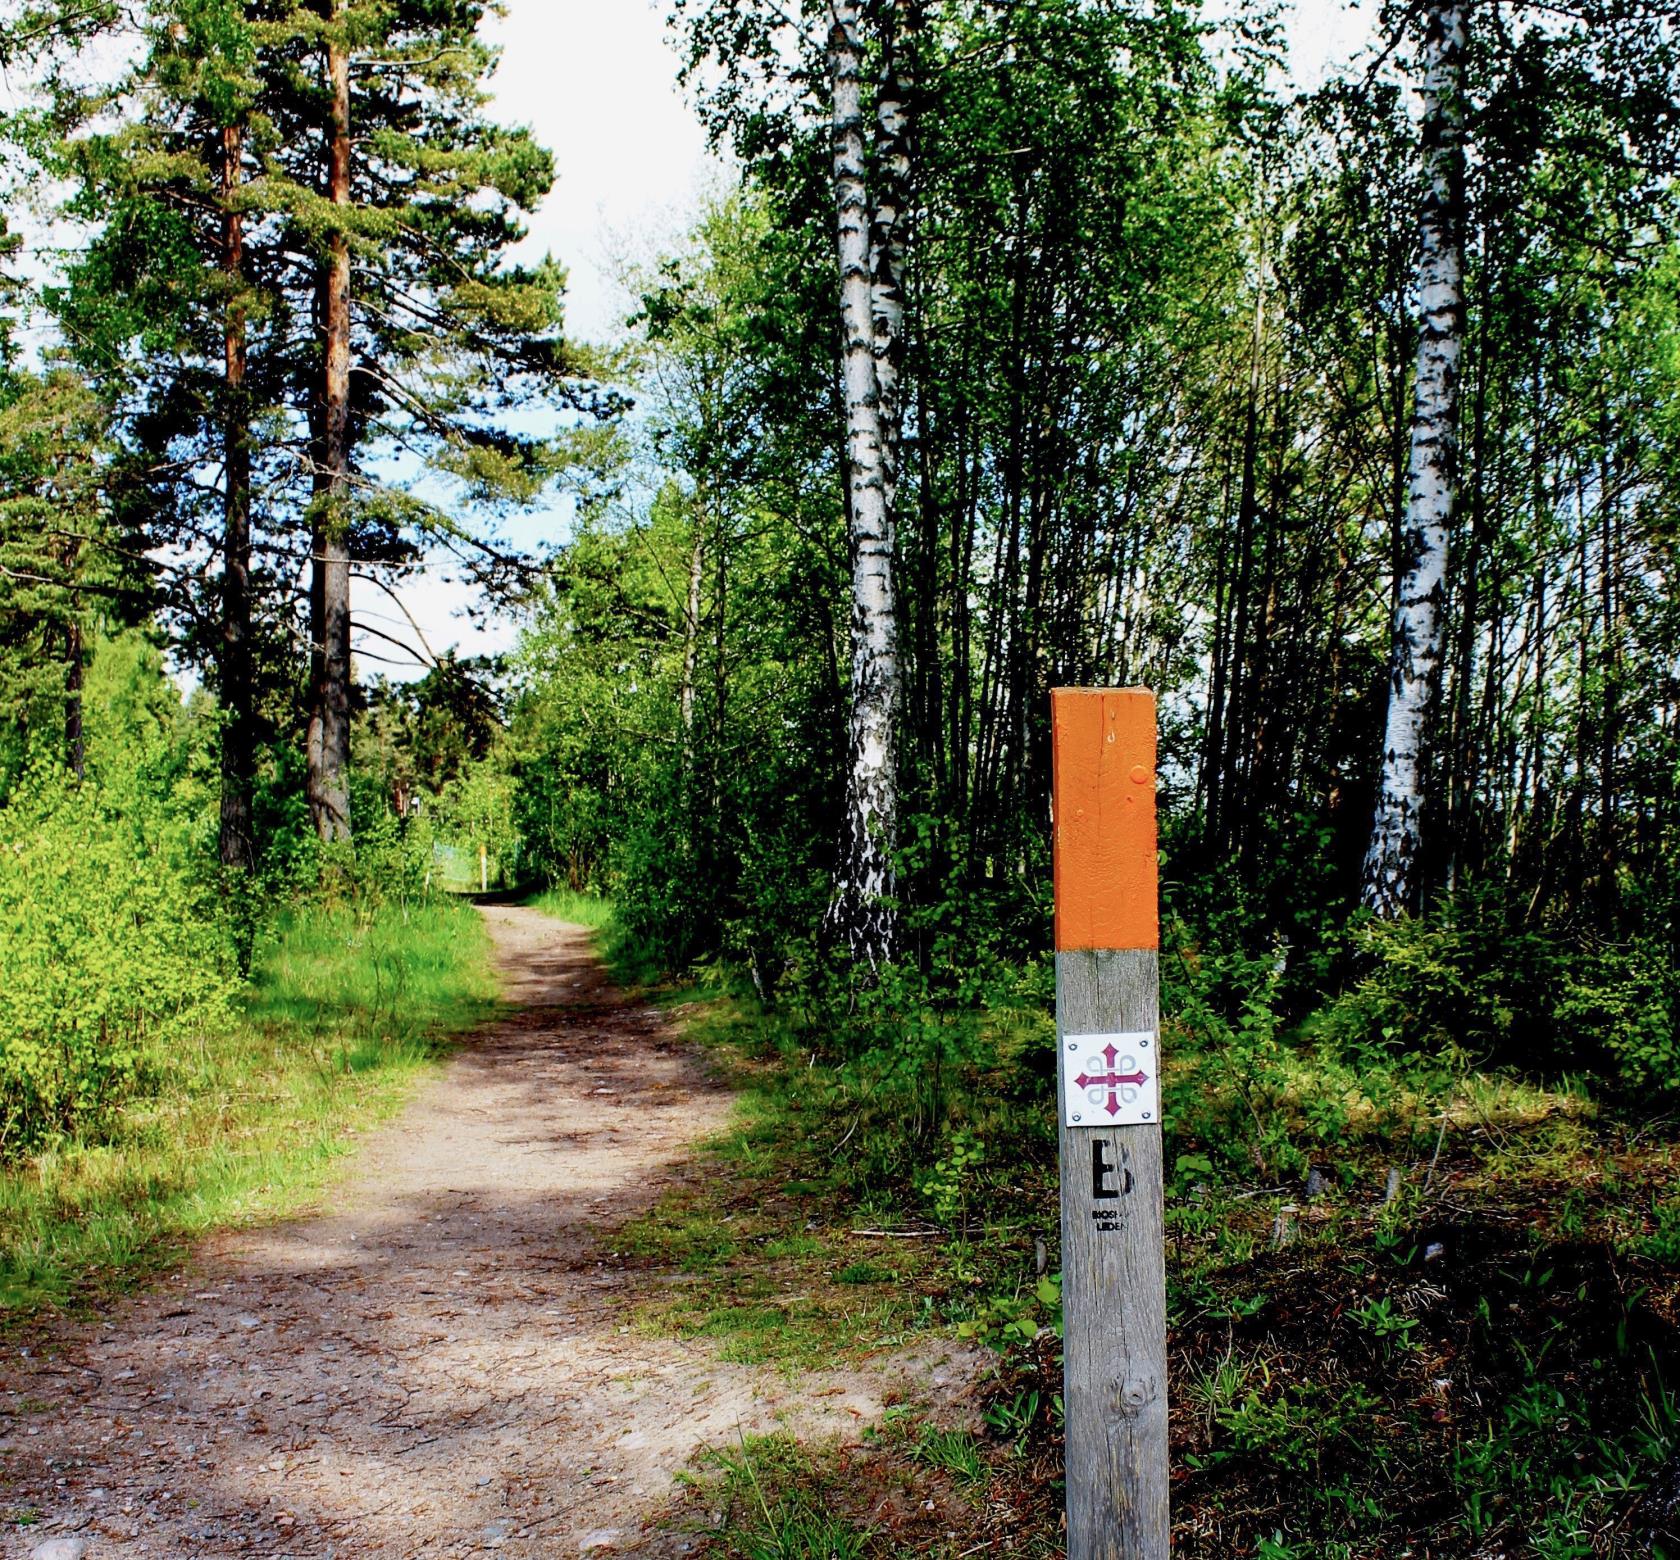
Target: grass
{"type": "Point", "coordinates": [782, 1261]}
{"type": "Point", "coordinates": [567, 904]}
{"type": "Point", "coordinates": [629, 964]}
{"type": "Point", "coordinates": [776, 1499]}
{"type": "Point", "coordinates": [1485, 1361]}
{"type": "Point", "coordinates": [346, 1009]}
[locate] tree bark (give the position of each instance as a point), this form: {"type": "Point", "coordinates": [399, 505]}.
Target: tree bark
{"type": "Point", "coordinates": [1391, 886]}
{"type": "Point", "coordinates": [691, 634]}
{"type": "Point", "coordinates": [239, 736]}
{"type": "Point", "coordinates": [75, 743]}
{"type": "Point", "coordinates": [863, 910]}
{"type": "Point", "coordinates": [887, 245]}
{"type": "Point", "coordinates": [329, 726]}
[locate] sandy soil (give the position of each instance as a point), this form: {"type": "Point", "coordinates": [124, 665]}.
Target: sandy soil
{"type": "Point", "coordinates": [438, 1364]}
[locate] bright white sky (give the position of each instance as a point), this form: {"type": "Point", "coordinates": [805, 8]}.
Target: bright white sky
{"type": "Point", "coordinates": [596, 80]}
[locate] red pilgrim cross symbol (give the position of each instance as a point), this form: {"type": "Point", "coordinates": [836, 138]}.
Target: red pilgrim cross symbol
{"type": "Point", "coordinates": [1118, 1084]}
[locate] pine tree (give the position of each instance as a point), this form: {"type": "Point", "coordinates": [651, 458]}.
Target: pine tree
{"type": "Point", "coordinates": [424, 334]}
{"type": "Point", "coordinates": [160, 311]}
{"type": "Point", "coordinates": [297, 287]}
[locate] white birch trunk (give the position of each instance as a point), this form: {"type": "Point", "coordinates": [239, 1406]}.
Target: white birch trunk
{"type": "Point", "coordinates": [887, 238]}
{"type": "Point", "coordinates": [1432, 493]}
{"type": "Point", "coordinates": [863, 911]}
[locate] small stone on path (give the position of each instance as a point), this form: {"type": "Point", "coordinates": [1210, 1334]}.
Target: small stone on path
{"type": "Point", "coordinates": [60, 1549]}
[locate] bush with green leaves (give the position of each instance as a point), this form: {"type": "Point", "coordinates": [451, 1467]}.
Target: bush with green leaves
{"type": "Point", "coordinates": [111, 955]}
{"type": "Point", "coordinates": [1626, 1000]}
{"type": "Point", "coordinates": [1473, 978]}
{"type": "Point", "coordinates": [1469, 976]}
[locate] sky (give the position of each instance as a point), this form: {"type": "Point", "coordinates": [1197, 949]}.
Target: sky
{"type": "Point", "coordinates": [597, 81]}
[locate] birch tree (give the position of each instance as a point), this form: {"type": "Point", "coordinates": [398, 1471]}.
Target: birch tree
{"type": "Point", "coordinates": [1432, 479]}
{"type": "Point", "coordinates": [871, 315]}
{"type": "Point", "coordinates": [889, 231]}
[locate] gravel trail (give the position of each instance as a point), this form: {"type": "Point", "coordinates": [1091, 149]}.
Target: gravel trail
{"type": "Point", "coordinates": [437, 1364]}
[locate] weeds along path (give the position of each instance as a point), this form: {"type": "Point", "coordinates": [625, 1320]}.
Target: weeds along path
{"type": "Point", "coordinates": [441, 1364]}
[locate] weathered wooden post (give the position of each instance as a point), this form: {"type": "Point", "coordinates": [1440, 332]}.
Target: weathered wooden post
{"type": "Point", "coordinates": [1114, 1297]}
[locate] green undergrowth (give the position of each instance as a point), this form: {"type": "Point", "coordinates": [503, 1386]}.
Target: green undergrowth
{"type": "Point", "coordinates": [774, 1498]}
{"type": "Point", "coordinates": [773, 1246]}
{"type": "Point", "coordinates": [1409, 1305]}
{"type": "Point", "coordinates": [347, 1006]}
{"type": "Point", "coordinates": [1416, 1305]}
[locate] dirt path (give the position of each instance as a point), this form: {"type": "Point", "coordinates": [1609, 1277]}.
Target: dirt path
{"type": "Point", "coordinates": [437, 1365]}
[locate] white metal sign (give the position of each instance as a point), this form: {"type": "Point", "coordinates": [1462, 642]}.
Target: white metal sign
{"type": "Point", "coordinates": [1111, 1080]}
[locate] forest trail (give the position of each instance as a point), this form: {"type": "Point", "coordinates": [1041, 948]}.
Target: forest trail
{"type": "Point", "coordinates": [439, 1363]}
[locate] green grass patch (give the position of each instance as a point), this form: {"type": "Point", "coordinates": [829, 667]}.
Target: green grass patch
{"type": "Point", "coordinates": [347, 1007]}
{"type": "Point", "coordinates": [907, 1490]}
{"type": "Point", "coordinates": [777, 1244]}
{"type": "Point", "coordinates": [778, 1505]}
{"type": "Point", "coordinates": [628, 963]}
{"type": "Point", "coordinates": [956, 1451]}
{"type": "Point", "coordinates": [567, 904]}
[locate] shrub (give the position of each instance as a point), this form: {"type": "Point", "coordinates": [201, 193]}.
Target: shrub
{"type": "Point", "coordinates": [1467, 977]}
{"type": "Point", "coordinates": [1625, 998]}
{"type": "Point", "coordinates": [110, 953]}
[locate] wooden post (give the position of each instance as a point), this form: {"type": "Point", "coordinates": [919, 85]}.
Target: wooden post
{"type": "Point", "coordinates": [484, 869]}
{"type": "Point", "coordinates": [1114, 1297]}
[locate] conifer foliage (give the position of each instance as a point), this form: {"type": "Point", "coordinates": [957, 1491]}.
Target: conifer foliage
{"type": "Point", "coordinates": [296, 294]}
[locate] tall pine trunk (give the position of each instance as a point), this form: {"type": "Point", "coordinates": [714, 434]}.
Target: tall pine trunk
{"type": "Point", "coordinates": [239, 737]}
{"type": "Point", "coordinates": [863, 911]}
{"type": "Point", "coordinates": [1391, 885]}
{"type": "Point", "coordinates": [75, 743]}
{"type": "Point", "coordinates": [329, 726]}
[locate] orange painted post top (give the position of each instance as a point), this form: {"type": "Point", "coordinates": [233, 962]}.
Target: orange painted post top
{"type": "Point", "coordinates": [1107, 887]}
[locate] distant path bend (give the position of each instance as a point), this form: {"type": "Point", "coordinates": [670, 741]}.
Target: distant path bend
{"type": "Point", "coordinates": [438, 1364]}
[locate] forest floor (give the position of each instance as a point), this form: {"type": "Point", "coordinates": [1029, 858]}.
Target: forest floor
{"type": "Point", "coordinates": [447, 1360]}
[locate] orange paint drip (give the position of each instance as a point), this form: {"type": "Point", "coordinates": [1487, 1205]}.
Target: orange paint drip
{"type": "Point", "coordinates": [1107, 886]}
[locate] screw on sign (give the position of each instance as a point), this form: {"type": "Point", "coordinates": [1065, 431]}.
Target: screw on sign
{"type": "Point", "coordinates": [1108, 1028]}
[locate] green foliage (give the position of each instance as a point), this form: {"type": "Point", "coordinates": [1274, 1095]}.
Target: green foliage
{"type": "Point", "coordinates": [1011, 1321]}
{"type": "Point", "coordinates": [1663, 1243]}
{"type": "Point", "coordinates": [1291, 1425]}
{"type": "Point", "coordinates": [346, 1006]}
{"type": "Point", "coordinates": [1387, 1326]}
{"type": "Point", "coordinates": [1468, 977]}
{"type": "Point", "coordinates": [1537, 1452]}
{"type": "Point", "coordinates": [1014, 1420]}
{"type": "Point", "coordinates": [1474, 978]}
{"type": "Point", "coordinates": [564, 904]}
{"type": "Point", "coordinates": [112, 962]}
{"type": "Point", "coordinates": [1626, 999]}
{"type": "Point", "coordinates": [947, 1184]}
{"type": "Point", "coordinates": [956, 1452]}
{"type": "Point", "coordinates": [372, 977]}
